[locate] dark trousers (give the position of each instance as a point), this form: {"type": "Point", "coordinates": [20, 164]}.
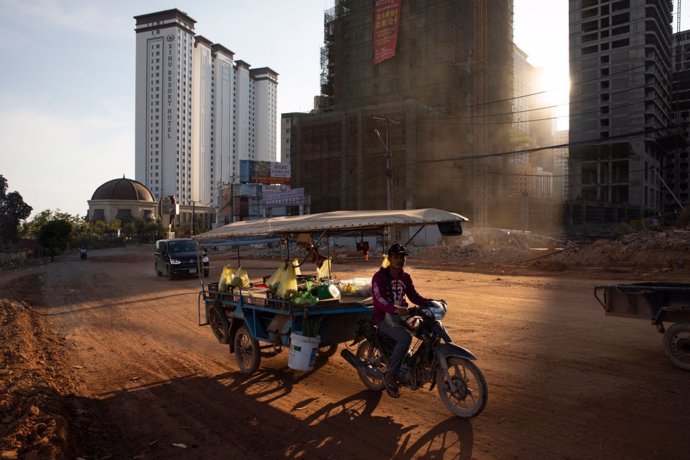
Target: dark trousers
{"type": "Point", "coordinates": [402, 338]}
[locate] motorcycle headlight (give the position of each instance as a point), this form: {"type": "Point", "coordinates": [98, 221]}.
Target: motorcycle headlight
{"type": "Point", "coordinates": [175, 261]}
{"type": "Point", "coordinates": [438, 309]}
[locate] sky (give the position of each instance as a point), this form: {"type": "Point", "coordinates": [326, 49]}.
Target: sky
{"type": "Point", "coordinates": [67, 85]}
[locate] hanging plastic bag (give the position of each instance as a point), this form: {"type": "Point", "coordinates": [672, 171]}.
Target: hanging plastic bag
{"type": "Point", "coordinates": [324, 271]}
{"type": "Point", "coordinates": [274, 280]}
{"type": "Point", "coordinates": [240, 279]}
{"type": "Point", "coordinates": [295, 263]}
{"type": "Point", "coordinates": [385, 263]}
{"type": "Point", "coordinates": [225, 277]}
{"type": "Point", "coordinates": [288, 283]}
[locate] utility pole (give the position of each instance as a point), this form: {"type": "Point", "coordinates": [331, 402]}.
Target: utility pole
{"type": "Point", "coordinates": [193, 215]}
{"type": "Point", "coordinates": [232, 200]}
{"type": "Point", "coordinates": [387, 146]}
{"type": "Point", "coordinates": [222, 204]}
{"type": "Point", "coordinates": [480, 166]}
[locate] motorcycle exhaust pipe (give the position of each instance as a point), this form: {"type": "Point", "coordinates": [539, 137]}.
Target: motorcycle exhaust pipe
{"type": "Point", "coordinates": [360, 365]}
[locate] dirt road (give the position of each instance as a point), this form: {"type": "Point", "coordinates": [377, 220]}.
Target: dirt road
{"type": "Point", "coordinates": [564, 380]}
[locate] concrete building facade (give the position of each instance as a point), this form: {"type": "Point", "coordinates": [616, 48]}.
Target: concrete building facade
{"type": "Point", "coordinates": [677, 166]}
{"type": "Point", "coordinates": [620, 72]}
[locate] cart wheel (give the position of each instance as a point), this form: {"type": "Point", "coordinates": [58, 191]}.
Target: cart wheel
{"type": "Point", "coordinates": [246, 351]}
{"type": "Point", "coordinates": [327, 351]}
{"type": "Point", "coordinates": [219, 323]}
{"type": "Point", "coordinates": [677, 345]}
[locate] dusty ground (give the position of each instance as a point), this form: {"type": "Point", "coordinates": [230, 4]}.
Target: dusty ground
{"type": "Point", "coordinates": [105, 360]}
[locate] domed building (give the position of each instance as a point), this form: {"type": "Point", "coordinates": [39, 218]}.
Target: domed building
{"type": "Point", "coordinates": [122, 199]}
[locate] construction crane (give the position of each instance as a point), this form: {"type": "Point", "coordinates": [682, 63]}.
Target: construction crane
{"type": "Point", "coordinates": [678, 2]}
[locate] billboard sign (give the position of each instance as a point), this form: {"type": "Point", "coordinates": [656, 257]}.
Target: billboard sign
{"type": "Point", "coordinates": [386, 25]}
{"type": "Point", "coordinates": [264, 172]}
{"type": "Point", "coordinates": [280, 170]}
{"type": "Point", "coordinates": [290, 197]}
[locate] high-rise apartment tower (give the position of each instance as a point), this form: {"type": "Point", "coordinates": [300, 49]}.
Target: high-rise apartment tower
{"type": "Point", "coordinates": [198, 111]}
{"type": "Point", "coordinates": [620, 77]}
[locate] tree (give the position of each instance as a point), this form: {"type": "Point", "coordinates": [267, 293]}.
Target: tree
{"type": "Point", "coordinates": [31, 229]}
{"type": "Point", "coordinates": [154, 230]}
{"type": "Point", "coordinates": [12, 211]}
{"type": "Point", "coordinates": [55, 235]}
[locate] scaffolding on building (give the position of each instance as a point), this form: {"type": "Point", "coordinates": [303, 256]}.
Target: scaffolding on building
{"type": "Point", "coordinates": [442, 87]}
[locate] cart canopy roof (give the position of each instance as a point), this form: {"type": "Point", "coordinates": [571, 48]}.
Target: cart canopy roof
{"type": "Point", "coordinates": [334, 221]}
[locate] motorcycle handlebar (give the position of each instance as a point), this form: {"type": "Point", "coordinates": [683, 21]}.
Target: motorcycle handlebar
{"type": "Point", "coordinates": [414, 311]}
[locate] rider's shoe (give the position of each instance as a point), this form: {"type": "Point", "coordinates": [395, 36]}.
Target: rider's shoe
{"type": "Point", "coordinates": [392, 385]}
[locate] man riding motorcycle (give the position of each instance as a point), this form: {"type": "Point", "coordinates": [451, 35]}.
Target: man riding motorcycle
{"type": "Point", "coordinates": [389, 287]}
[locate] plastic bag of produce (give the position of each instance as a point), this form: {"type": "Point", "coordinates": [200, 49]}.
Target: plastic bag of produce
{"type": "Point", "coordinates": [225, 277]}
{"type": "Point", "coordinates": [240, 279]}
{"type": "Point", "coordinates": [385, 262]}
{"type": "Point", "coordinates": [288, 282]}
{"type": "Point", "coordinates": [274, 280]}
{"type": "Point", "coordinates": [295, 263]}
{"type": "Point", "coordinates": [356, 286]}
{"type": "Point", "coordinates": [324, 271]}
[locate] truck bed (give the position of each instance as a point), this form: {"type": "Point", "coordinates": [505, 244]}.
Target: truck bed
{"type": "Point", "coordinates": [649, 300]}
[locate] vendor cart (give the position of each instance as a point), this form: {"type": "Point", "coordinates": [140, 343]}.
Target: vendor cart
{"type": "Point", "coordinates": [254, 321]}
{"type": "Point", "coordinates": [659, 303]}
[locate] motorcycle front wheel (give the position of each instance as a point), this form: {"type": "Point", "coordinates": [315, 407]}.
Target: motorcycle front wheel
{"type": "Point", "coordinates": [372, 355]}
{"type": "Point", "coordinates": [466, 393]}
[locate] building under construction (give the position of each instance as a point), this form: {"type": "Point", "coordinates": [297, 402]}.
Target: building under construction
{"type": "Point", "coordinates": [620, 109]}
{"type": "Point", "coordinates": [415, 107]}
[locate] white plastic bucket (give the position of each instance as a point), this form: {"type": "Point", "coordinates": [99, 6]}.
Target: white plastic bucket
{"type": "Point", "coordinates": [302, 352]}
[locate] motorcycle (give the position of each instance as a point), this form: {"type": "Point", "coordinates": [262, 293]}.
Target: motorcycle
{"type": "Point", "coordinates": [432, 358]}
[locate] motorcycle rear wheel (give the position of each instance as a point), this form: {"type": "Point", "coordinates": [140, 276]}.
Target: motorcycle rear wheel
{"type": "Point", "coordinates": [375, 359]}
{"type": "Point", "coordinates": [472, 391]}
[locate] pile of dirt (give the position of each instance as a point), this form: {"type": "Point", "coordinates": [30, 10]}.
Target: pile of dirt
{"type": "Point", "coordinates": [644, 250]}
{"type": "Point", "coordinates": [34, 382]}
{"type": "Point", "coordinates": [491, 246]}
{"type": "Point", "coordinates": [44, 413]}
{"type": "Point", "coordinates": [652, 250]}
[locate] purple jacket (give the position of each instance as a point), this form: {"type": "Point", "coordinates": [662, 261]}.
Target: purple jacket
{"type": "Point", "coordinates": [384, 300]}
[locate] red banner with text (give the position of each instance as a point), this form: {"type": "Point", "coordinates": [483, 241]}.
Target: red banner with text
{"type": "Point", "coordinates": [386, 23]}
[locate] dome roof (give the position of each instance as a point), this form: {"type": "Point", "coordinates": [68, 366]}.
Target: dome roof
{"type": "Point", "coordinates": [123, 189]}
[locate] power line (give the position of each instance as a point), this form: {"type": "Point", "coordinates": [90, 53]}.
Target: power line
{"type": "Point", "coordinates": [568, 145]}
{"type": "Point", "coordinates": [449, 120]}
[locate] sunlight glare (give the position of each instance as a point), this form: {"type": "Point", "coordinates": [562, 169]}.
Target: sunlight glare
{"type": "Point", "coordinates": [556, 85]}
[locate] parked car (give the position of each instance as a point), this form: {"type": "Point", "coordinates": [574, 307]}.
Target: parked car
{"type": "Point", "coordinates": [179, 257]}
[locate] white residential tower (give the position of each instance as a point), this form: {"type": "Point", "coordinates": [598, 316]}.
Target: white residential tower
{"type": "Point", "coordinates": [198, 111]}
